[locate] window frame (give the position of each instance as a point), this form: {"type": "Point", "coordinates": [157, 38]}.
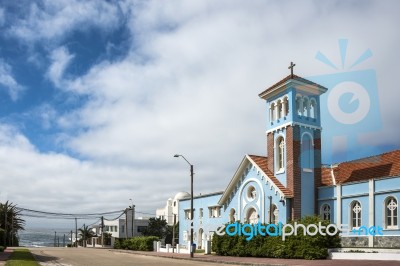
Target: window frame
{"type": "Point", "coordinates": [394, 215]}
{"type": "Point", "coordinates": [280, 154]}
{"type": "Point", "coordinates": [354, 215]}
{"type": "Point", "coordinates": [323, 212]}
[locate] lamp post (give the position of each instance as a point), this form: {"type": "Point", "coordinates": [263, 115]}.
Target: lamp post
{"type": "Point", "coordinates": [191, 203]}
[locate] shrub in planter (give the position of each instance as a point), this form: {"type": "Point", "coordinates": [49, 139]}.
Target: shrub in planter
{"type": "Point", "coordinates": [295, 246]}
{"type": "Point", "coordinates": [142, 243]}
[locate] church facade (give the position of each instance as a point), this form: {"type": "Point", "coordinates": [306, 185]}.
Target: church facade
{"type": "Point", "coordinates": [291, 182]}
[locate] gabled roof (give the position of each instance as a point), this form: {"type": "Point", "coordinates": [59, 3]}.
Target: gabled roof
{"type": "Point", "coordinates": [286, 80]}
{"type": "Point", "coordinates": [260, 163]}
{"type": "Point", "coordinates": [383, 165]}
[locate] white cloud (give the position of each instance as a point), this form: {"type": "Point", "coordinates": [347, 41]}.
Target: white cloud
{"type": "Point", "coordinates": [8, 82]}
{"type": "Point", "coordinates": [60, 59]}
{"type": "Point", "coordinates": [51, 181]}
{"type": "Point", "coordinates": [52, 20]}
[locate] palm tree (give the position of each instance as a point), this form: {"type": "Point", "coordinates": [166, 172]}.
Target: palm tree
{"type": "Point", "coordinates": [10, 223]}
{"type": "Point", "coordinates": [86, 233]}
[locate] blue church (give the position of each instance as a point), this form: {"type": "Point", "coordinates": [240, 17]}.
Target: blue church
{"type": "Point", "coordinates": [291, 182]}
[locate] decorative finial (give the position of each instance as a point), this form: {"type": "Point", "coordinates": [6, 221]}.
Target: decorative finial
{"type": "Point", "coordinates": [291, 68]}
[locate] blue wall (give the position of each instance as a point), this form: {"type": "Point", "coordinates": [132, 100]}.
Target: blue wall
{"type": "Point", "coordinates": [383, 188]}
{"type": "Point", "coordinates": [206, 223]}
{"type": "Point", "coordinates": [255, 178]}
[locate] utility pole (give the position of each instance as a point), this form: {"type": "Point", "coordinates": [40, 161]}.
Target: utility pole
{"type": "Point", "coordinates": [55, 238]}
{"type": "Point", "coordinates": [173, 234]}
{"type": "Point", "coordinates": [133, 217]}
{"type": "Point", "coordinates": [64, 241]}
{"type": "Point", "coordinates": [84, 236]}
{"type": "Point", "coordinates": [76, 232]}
{"type": "Point", "coordinates": [132, 207]}
{"type": "Point", "coordinates": [191, 204]}
{"type": "Point", "coordinates": [126, 223]}
{"type": "Point", "coordinates": [191, 211]}
{"type": "Point", "coordinates": [5, 223]}
{"type": "Point", "coordinates": [102, 231]}
{"type": "Point", "coordinates": [71, 239]}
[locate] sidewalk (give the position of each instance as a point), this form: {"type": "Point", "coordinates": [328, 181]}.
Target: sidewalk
{"type": "Point", "coordinates": [259, 261]}
{"type": "Point", "coordinates": [4, 256]}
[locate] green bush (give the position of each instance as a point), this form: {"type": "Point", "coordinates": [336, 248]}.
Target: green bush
{"type": "Point", "coordinates": [294, 247]}
{"type": "Point", "coordinates": [2, 248]}
{"type": "Point", "coordinates": [142, 243]}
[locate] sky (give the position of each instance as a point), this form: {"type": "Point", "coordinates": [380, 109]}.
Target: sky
{"type": "Point", "coordinates": [97, 96]}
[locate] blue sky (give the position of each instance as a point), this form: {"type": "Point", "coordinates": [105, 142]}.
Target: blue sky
{"type": "Point", "coordinates": [97, 96]}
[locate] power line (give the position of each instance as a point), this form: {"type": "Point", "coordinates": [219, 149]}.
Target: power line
{"type": "Point", "coordinates": [69, 214]}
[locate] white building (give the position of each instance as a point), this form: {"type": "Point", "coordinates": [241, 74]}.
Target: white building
{"type": "Point", "coordinates": [122, 227]}
{"type": "Point", "coordinates": [171, 208]}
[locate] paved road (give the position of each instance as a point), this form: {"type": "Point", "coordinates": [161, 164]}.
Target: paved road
{"type": "Point", "coordinates": [101, 257]}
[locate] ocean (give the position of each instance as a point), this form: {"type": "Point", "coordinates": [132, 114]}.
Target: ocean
{"type": "Point", "coordinates": [44, 237]}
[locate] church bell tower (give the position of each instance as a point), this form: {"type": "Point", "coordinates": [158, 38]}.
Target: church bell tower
{"type": "Point", "coordinates": [294, 139]}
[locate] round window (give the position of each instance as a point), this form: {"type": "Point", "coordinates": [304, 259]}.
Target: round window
{"type": "Point", "coordinates": [251, 193]}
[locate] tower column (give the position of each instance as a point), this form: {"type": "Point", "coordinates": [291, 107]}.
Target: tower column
{"type": "Point", "coordinates": [284, 107]}
{"type": "Point", "coordinates": [293, 168]}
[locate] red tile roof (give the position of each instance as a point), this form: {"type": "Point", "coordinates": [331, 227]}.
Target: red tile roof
{"type": "Point", "coordinates": [262, 163]}
{"type": "Point", "coordinates": [383, 165]}
{"type": "Point", "coordinates": [283, 81]}
{"type": "Point", "coordinates": [326, 176]}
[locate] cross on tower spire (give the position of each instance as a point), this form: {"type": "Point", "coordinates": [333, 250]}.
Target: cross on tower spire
{"type": "Point", "coordinates": [291, 69]}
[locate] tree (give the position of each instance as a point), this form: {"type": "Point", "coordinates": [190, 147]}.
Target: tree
{"type": "Point", "coordinates": [170, 231]}
{"type": "Point", "coordinates": [86, 233]}
{"type": "Point", "coordinates": [10, 223]}
{"type": "Point", "coordinates": [157, 227]}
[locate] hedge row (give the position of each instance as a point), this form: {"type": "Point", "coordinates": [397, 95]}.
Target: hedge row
{"type": "Point", "coordinates": [294, 247]}
{"type": "Point", "coordinates": [142, 243]}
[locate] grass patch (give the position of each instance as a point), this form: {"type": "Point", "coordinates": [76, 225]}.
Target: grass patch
{"type": "Point", "coordinates": [199, 251]}
{"type": "Point", "coordinates": [21, 257]}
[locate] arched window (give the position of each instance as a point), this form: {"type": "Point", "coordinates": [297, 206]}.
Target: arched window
{"type": "Point", "coordinates": [306, 107]}
{"type": "Point", "coordinates": [299, 105]}
{"type": "Point", "coordinates": [275, 214]}
{"type": "Point", "coordinates": [285, 105]}
{"type": "Point", "coordinates": [280, 158]}
{"type": "Point", "coordinates": [325, 212]}
{"type": "Point", "coordinates": [391, 213]}
{"type": "Point", "coordinates": [306, 151]}
{"type": "Point", "coordinates": [251, 193]}
{"type": "Point", "coordinates": [313, 108]}
{"type": "Point", "coordinates": [271, 111]}
{"type": "Point", "coordinates": [355, 210]}
{"type": "Point", "coordinates": [232, 215]}
{"type": "Point", "coordinates": [279, 109]}
{"type": "Point", "coordinates": [252, 216]}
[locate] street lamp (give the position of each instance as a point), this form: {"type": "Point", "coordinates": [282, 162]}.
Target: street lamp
{"type": "Point", "coordinates": [133, 213]}
{"type": "Point", "coordinates": [191, 203]}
